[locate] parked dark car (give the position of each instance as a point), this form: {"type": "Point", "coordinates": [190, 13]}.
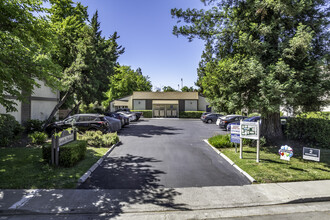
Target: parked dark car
{"type": "Point", "coordinates": [211, 118]}
{"type": "Point", "coordinates": [224, 122]}
{"type": "Point", "coordinates": [123, 119]}
{"type": "Point", "coordinates": [83, 122]}
{"type": "Point", "coordinates": [251, 119]}
{"type": "Point", "coordinates": [204, 114]}
{"type": "Point", "coordinates": [128, 111]}
{"type": "Point", "coordinates": [114, 124]}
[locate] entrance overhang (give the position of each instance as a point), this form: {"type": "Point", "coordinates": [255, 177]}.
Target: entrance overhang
{"type": "Point", "coordinates": [165, 102]}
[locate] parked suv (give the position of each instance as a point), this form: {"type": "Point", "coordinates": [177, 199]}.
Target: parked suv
{"type": "Point", "coordinates": [127, 111]}
{"type": "Point", "coordinates": [83, 122]}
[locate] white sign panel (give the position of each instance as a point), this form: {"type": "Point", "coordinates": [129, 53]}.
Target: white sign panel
{"type": "Point", "coordinates": [235, 129]}
{"type": "Point", "coordinates": [249, 130]}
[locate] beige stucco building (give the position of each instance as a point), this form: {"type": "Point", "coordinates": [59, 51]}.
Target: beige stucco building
{"type": "Point", "coordinates": [39, 106]}
{"type": "Point", "coordinates": [162, 104]}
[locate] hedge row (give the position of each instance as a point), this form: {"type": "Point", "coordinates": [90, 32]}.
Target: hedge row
{"type": "Point", "coordinates": [190, 114]}
{"type": "Point", "coordinates": [146, 113]}
{"type": "Point", "coordinates": [98, 139]}
{"type": "Point", "coordinates": [69, 154]}
{"type": "Point", "coordinates": [312, 131]}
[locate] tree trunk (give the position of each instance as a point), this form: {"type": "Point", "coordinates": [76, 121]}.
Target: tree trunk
{"type": "Point", "coordinates": [271, 126]}
{"type": "Point", "coordinates": [74, 109]}
{"type": "Point", "coordinates": [56, 108]}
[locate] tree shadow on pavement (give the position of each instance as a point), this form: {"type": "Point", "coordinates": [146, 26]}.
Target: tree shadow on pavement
{"type": "Point", "coordinates": [132, 180]}
{"type": "Point", "coordinates": [147, 131]}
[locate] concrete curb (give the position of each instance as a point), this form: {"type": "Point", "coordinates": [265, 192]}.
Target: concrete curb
{"type": "Point", "coordinates": [84, 177]}
{"type": "Point", "coordinates": [231, 162]}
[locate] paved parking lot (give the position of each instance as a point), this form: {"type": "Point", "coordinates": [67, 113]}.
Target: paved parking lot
{"type": "Point", "coordinates": [164, 153]}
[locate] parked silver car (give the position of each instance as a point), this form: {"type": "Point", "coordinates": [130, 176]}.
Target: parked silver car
{"type": "Point", "coordinates": [114, 124]}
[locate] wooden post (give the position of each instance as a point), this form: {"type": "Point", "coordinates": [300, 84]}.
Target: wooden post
{"type": "Point", "coordinates": [57, 150]}
{"type": "Point", "coordinates": [241, 143]}
{"type": "Point", "coordinates": [53, 150]}
{"type": "Point", "coordinates": [258, 142]}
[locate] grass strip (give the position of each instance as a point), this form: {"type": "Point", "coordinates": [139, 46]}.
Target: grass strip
{"type": "Point", "coordinates": [24, 168]}
{"type": "Point", "coordinates": [272, 169]}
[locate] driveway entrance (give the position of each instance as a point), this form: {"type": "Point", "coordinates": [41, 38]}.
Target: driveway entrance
{"type": "Point", "coordinates": [167, 153]}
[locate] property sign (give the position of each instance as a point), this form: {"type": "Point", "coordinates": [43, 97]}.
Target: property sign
{"type": "Point", "coordinates": [285, 152]}
{"type": "Point", "coordinates": [235, 133]}
{"type": "Point", "coordinates": [249, 130]}
{"type": "Point", "coordinates": [65, 138]}
{"type": "Point", "coordinates": [311, 154]}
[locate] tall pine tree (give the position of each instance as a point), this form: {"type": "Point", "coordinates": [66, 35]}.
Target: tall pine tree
{"type": "Point", "coordinates": [267, 54]}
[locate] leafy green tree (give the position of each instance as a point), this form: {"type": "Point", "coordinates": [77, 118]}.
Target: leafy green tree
{"type": "Point", "coordinates": [26, 42]}
{"type": "Point", "coordinates": [168, 89]}
{"type": "Point", "coordinates": [265, 54]}
{"type": "Point", "coordinates": [87, 59]}
{"type": "Point", "coordinates": [188, 89]}
{"type": "Point", "coordinates": [124, 82]}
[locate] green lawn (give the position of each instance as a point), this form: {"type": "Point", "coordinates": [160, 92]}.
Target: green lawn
{"type": "Point", "coordinates": [23, 168]}
{"type": "Point", "coordinates": [272, 169]}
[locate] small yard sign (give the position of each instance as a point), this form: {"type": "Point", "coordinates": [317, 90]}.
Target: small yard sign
{"type": "Point", "coordinates": [311, 154]}
{"type": "Point", "coordinates": [285, 153]}
{"type": "Point", "coordinates": [235, 134]}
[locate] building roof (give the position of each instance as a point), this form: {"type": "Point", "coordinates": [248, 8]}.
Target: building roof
{"type": "Point", "coordinates": [165, 95]}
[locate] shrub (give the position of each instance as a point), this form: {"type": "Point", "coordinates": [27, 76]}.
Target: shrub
{"type": "Point", "coordinates": [110, 139]}
{"type": "Point", "coordinates": [33, 125]}
{"type": "Point", "coordinates": [190, 114]}
{"type": "Point", "coordinates": [253, 143]}
{"type": "Point", "coordinates": [9, 129]}
{"type": "Point", "coordinates": [38, 137]}
{"type": "Point", "coordinates": [146, 113]}
{"type": "Point", "coordinates": [312, 131]}
{"type": "Point", "coordinates": [69, 154]}
{"type": "Point", "coordinates": [254, 114]}
{"type": "Point", "coordinates": [221, 141]}
{"type": "Point", "coordinates": [98, 139]}
{"type": "Point", "coordinates": [322, 115]}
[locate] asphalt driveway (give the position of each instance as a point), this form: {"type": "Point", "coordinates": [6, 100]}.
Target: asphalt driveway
{"type": "Point", "coordinates": [166, 153]}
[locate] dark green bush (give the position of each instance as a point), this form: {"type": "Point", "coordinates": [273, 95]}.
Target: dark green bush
{"type": "Point", "coordinates": [146, 113]}
{"type": "Point", "coordinates": [38, 137]}
{"type": "Point", "coordinates": [190, 114]}
{"type": "Point", "coordinates": [221, 141]}
{"type": "Point", "coordinates": [33, 125]}
{"type": "Point", "coordinates": [9, 129]}
{"type": "Point", "coordinates": [312, 131]}
{"type": "Point", "coordinates": [69, 154]}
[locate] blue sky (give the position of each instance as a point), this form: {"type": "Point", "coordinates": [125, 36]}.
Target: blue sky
{"type": "Point", "coordinates": [145, 30]}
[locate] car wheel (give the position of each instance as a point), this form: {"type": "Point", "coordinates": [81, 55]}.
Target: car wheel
{"type": "Point", "coordinates": [209, 121]}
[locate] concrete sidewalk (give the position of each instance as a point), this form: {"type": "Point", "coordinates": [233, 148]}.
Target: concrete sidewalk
{"type": "Point", "coordinates": [146, 201]}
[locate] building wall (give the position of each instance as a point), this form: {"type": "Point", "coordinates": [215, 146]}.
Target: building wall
{"type": "Point", "coordinates": [202, 103]}
{"type": "Point", "coordinates": [38, 106]}
{"type": "Point", "coordinates": [44, 91]}
{"type": "Point", "coordinates": [41, 109]}
{"type": "Point", "coordinates": [139, 104]}
{"type": "Point", "coordinates": [190, 105]}
{"type": "Point", "coordinates": [17, 114]}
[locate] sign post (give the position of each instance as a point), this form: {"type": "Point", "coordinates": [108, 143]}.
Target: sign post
{"type": "Point", "coordinates": [65, 138]}
{"type": "Point", "coordinates": [235, 135]}
{"type": "Point", "coordinates": [250, 130]}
